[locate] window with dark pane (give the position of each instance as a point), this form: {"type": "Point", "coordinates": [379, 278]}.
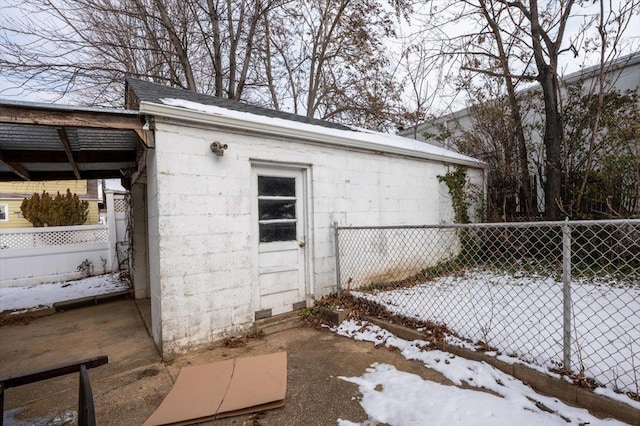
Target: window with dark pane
{"type": "Point", "coordinates": [277, 231]}
{"type": "Point", "coordinates": [276, 209]}
{"type": "Point", "coordinates": [276, 186]}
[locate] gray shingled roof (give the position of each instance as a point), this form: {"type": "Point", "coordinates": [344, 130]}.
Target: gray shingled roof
{"type": "Point", "coordinates": [153, 92]}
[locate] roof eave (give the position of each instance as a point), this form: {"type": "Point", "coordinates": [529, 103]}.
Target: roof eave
{"type": "Point", "coordinates": [67, 108]}
{"type": "Point", "coordinates": [199, 117]}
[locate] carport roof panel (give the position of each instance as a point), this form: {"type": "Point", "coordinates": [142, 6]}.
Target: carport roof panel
{"type": "Point", "coordinates": [30, 137]}
{"type": "Point", "coordinates": [53, 141]}
{"type": "Point", "coordinates": [48, 167]}
{"type": "Point", "coordinates": [66, 108]}
{"type": "Point", "coordinates": [35, 137]}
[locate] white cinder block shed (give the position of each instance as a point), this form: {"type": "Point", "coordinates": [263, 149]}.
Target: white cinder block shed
{"type": "Point", "coordinates": [248, 234]}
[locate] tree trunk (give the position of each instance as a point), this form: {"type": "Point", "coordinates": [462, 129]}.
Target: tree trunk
{"type": "Point", "coordinates": [234, 39]}
{"type": "Point", "coordinates": [515, 116]}
{"type": "Point", "coordinates": [553, 146]}
{"type": "Point", "coordinates": [268, 66]}
{"type": "Point", "coordinates": [251, 35]}
{"type": "Point", "coordinates": [217, 47]}
{"type": "Point", "coordinates": [548, 78]}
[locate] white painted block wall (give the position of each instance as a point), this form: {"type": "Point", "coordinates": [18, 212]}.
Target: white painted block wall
{"type": "Point", "coordinates": [153, 247]}
{"type": "Point", "coordinates": [200, 242]}
{"type": "Point", "coordinates": [139, 241]}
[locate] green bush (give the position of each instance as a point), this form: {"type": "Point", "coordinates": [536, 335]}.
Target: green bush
{"type": "Point", "coordinates": [61, 210]}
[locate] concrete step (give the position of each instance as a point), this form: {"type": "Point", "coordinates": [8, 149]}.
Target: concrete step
{"type": "Point", "coordinates": [91, 300]}
{"type": "Point", "coordinates": [278, 323]}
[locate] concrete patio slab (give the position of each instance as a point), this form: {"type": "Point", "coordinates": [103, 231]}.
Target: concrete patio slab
{"type": "Point", "coordinates": [129, 388]}
{"type": "Point", "coordinates": [113, 329]}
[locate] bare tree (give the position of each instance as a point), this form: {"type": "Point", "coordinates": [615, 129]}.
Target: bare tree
{"type": "Point", "coordinates": [611, 25]}
{"type": "Point", "coordinates": [88, 46]}
{"type": "Point", "coordinates": [521, 42]}
{"type": "Point", "coordinates": [331, 56]}
{"type": "Point", "coordinates": [486, 131]}
{"type": "Point", "coordinates": [322, 58]}
{"type": "Point", "coordinates": [537, 35]}
{"type": "Point", "coordinates": [421, 89]}
{"type": "Point", "coordinates": [492, 16]}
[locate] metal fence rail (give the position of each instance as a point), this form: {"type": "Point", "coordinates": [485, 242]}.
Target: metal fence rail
{"type": "Point", "coordinates": [86, 409]}
{"type": "Point", "coordinates": [562, 295]}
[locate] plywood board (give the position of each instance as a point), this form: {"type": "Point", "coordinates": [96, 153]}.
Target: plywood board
{"type": "Point", "coordinates": [222, 389]}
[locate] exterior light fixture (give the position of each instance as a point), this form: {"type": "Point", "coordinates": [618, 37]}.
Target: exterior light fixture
{"type": "Point", "coordinates": [218, 148]}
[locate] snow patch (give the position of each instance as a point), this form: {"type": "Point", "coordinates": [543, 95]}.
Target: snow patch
{"type": "Point", "coordinates": [23, 299]}
{"type": "Point", "coordinates": [400, 398]}
{"type": "Point", "coordinates": [522, 317]}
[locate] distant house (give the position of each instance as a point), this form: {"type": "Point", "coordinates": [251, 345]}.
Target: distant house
{"type": "Point", "coordinates": [12, 194]}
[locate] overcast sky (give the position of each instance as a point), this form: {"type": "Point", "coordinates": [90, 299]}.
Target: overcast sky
{"type": "Point", "coordinates": [448, 100]}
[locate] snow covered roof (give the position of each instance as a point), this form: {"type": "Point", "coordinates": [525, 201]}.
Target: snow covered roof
{"type": "Point", "coordinates": [158, 100]}
{"type": "Point", "coordinates": [144, 91]}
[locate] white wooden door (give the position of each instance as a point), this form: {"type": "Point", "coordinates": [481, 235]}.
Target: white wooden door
{"type": "Point", "coordinates": [279, 230]}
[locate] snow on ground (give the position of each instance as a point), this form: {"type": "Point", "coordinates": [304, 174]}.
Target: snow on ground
{"type": "Point", "coordinates": [521, 316]}
{"type": "Point", "coordinates": [21, 299]}
{"type": "Point", "coordinates": [399, 398]}
{"type": "Point", "coordinates": [65, 418]}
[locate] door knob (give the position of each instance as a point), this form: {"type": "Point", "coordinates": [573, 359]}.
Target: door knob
{"type": "Point", "coordinates": [300, 244]}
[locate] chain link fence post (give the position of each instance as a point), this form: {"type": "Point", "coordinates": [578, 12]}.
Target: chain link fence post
{"type": "Point", "coordinates": [337, 253]}
{"type": "Point", "coordinates": [566, 294]}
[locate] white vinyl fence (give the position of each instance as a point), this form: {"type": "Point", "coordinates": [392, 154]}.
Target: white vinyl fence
{"type": "Point", "coordinates": [39, 255]}
{"type": "Point", "coordinates": [30, 256]}
{"type": "Point", "coordinates": [118, 222]}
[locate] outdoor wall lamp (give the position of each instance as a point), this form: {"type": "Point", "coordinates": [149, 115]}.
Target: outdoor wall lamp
{"type": "Point", "coordinates": [218, 148]}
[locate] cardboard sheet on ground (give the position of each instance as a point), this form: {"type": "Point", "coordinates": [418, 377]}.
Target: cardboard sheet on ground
{"type": "Point", "coordinates": [223, 389]}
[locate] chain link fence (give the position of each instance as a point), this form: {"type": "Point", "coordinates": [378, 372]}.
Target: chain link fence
{"type": "Point", "coordinates": [560, 295]}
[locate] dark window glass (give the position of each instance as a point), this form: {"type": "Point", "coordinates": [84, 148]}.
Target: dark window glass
{"type": "Point", "coordinates": [276, 209]}
{"type": "Point", "coordinates": [276, 186]}
{"type": "Point", "coordinates": [277, 232]}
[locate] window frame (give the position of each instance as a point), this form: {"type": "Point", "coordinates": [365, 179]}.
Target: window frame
{"type": "Point", "coordinates": [293, 198]}
{"type": "Point", "coordinates": [4, 208]}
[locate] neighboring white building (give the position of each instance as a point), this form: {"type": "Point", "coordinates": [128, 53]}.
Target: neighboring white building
{"type": "Point", "coordinates": [622, 74]}
{"type": "Point", "coordinates": [238, 204]}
